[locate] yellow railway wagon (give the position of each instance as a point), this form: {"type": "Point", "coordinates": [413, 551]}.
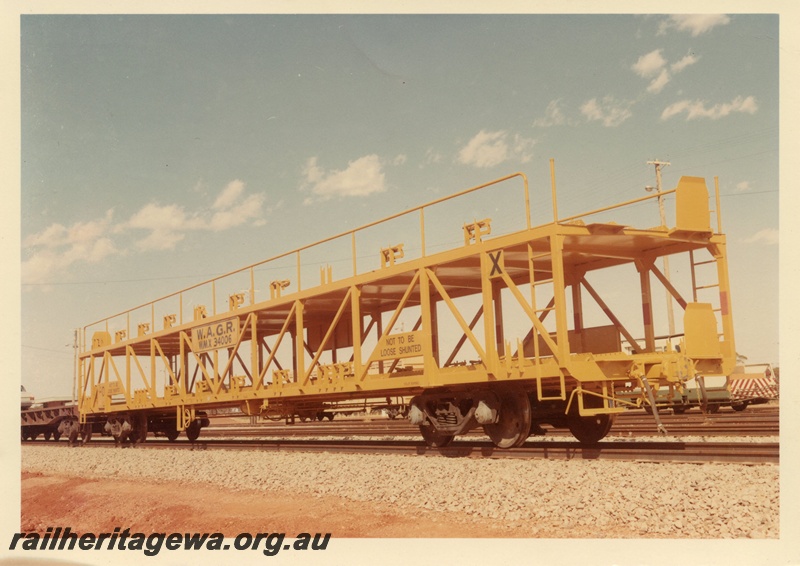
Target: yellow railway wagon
{"type": "Point", "coordinates": [395, 326]}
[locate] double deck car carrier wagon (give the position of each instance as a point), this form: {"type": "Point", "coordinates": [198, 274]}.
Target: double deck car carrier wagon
{"type": "Point", "coordinates": [489, 332]}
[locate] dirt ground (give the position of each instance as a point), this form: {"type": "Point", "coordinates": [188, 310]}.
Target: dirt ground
{"type": "Point", "coordinates": [89, 505]}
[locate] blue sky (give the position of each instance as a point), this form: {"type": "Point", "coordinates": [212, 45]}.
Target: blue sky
{"type": "Point", "coordinates": [159, 151]}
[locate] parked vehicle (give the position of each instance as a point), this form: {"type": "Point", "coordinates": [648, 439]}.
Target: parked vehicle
{"type": "Point", "coordinates": [26, 399]}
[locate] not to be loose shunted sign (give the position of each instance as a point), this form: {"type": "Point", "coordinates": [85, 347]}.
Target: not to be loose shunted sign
{"type": "Point", "coordinates": [405, 345]}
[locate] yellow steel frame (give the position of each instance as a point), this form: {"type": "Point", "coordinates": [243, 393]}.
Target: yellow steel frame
{"type": "Point", "coordinates": [248, 366]}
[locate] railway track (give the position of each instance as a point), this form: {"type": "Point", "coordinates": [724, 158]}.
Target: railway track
{"type": "Point", "coordinates": [630, 439]}
{"type": "Point", "coordinates": [624, 450]}
{"type": "Point", "coordinates": [761, 422]}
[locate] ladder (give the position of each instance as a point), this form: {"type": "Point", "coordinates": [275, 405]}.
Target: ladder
{"type": "Point", "coordinates": [695, 287]}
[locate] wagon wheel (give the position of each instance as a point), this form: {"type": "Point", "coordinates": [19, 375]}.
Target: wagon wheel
{"type": "Point", "coordinates": [72, 430]}
{"type": "Point", "coordinates": [139, 433]}
{"type": "Point", "coordinates": [433, 438]}
{"type": "Point", "coordinates": [739, 406]}
{"type": "Point", "coordinates": [119, 427]}
{"type": "Point", "coordinates": [172, 434]}
{"type": "Point", "coordinates": [86, 433]}
{"type": "Point", "coordinates": [514, 420]}
{"type": "Point", "coordinates": [589, 430]}
{"type": "Point", "coordinates": [193, 430]}
{"type": "Point", "coordinates": [48, 435]}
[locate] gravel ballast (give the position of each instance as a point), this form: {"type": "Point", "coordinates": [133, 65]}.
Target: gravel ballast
{"type": "Point", "coordinates": [602, 498]}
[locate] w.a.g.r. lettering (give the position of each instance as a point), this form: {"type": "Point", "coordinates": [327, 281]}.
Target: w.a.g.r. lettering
{"type": "Point", "coordinates": [214, 335]}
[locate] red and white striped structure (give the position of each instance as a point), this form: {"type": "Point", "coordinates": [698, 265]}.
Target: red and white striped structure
{"type": "Point", "coordinates": [747, 384]}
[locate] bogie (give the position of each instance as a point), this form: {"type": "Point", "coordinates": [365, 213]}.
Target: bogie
{"type": "Point", "coordinates": [508, 415]}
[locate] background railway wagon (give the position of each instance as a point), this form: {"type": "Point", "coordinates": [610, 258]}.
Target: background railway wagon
{"type": "Point", "coordinates": [44, 419]}
{"type": "Point", "coordinates": [392, 407]}
{"type": "Point", "coordinates": [752, 384]}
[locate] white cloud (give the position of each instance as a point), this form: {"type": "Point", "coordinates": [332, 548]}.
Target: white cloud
{"type": "Point", "coordinates": [238, 214]}
{"type": "Point", "coordinates": [649, 65]}
{"type": "Point", "coordinates": [695, 109]}
{"type": "Point", "coordinates": [696, 24]}
{"type": "Point", "coordinates": [523, 148]}
{"type": "Point", "coordinates": [363, 177]}
{"type": "Point", "coordinates": [432, 157]}
{"type": "Point", "coordinates": [688, 60]}
{"type": "Point", "coordinates": [768, 236]}
{"type": "Point", "coordinates": [153, 216]}
{"type": "Point", "coordinates": [487, 149]}
{"type": "Point", "coordinates": [609, 111]}
{"type": "Point", "coordinates": [56, 248]}
{"type": "Point", "coordinates": [400, 160]}
{"type": "Point", "coordinates": [39, 267]}
{"type": "Point", "coordinates": [42, 264]}
{"type": "Point", "coordinates": [553, 116]}
{"type": "Point", "coordinates": [653, 66]}
{"type": "Point", "coordinates": [743, 186]}
{"type": "Point", "coordinates": [52, 236]}
{"type": "Point", "coordinates": [231, 210]}
{"type": "Point", "coordinates": [229, 195]}
{"type": "Point", "coordinates": [658, 83]}
{"type": "Point", "coordinates": [56, 235]}
{"type": "Point", "coordinates": [167, 225]}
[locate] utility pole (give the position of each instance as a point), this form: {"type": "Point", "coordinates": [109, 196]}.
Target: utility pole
{"type": "Point", "coordinates": [75, 367]}
{"type": "Point", "coordinates": [659, 165]}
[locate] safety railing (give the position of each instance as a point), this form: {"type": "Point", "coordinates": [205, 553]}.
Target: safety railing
{"type": "Point", "coordinates": [172, 307]}
{"type": "Point", "coordinates": [178, 300]}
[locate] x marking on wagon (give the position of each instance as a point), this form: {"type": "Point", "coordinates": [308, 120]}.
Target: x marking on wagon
{"type": "Point", "coordinates": [497, 270]}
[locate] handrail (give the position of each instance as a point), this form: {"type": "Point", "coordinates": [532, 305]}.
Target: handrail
{"type": "Point", "coordinates": [352, 232]}
{"type": "Point", "coordinates": [615, 206]}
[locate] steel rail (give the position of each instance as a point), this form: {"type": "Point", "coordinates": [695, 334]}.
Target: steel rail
{"type": "Point", "coordinates": [413, 431]}
{"type": "Point", "coordinates": [404, 429]}
{"type": "Point", "coordinates": [637, 451]}
{"type": "Point", "coordinates": [757, 423]}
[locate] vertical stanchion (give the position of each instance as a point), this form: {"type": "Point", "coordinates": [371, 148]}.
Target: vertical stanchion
{"type": "Point", "coordinates": [553, 189]}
